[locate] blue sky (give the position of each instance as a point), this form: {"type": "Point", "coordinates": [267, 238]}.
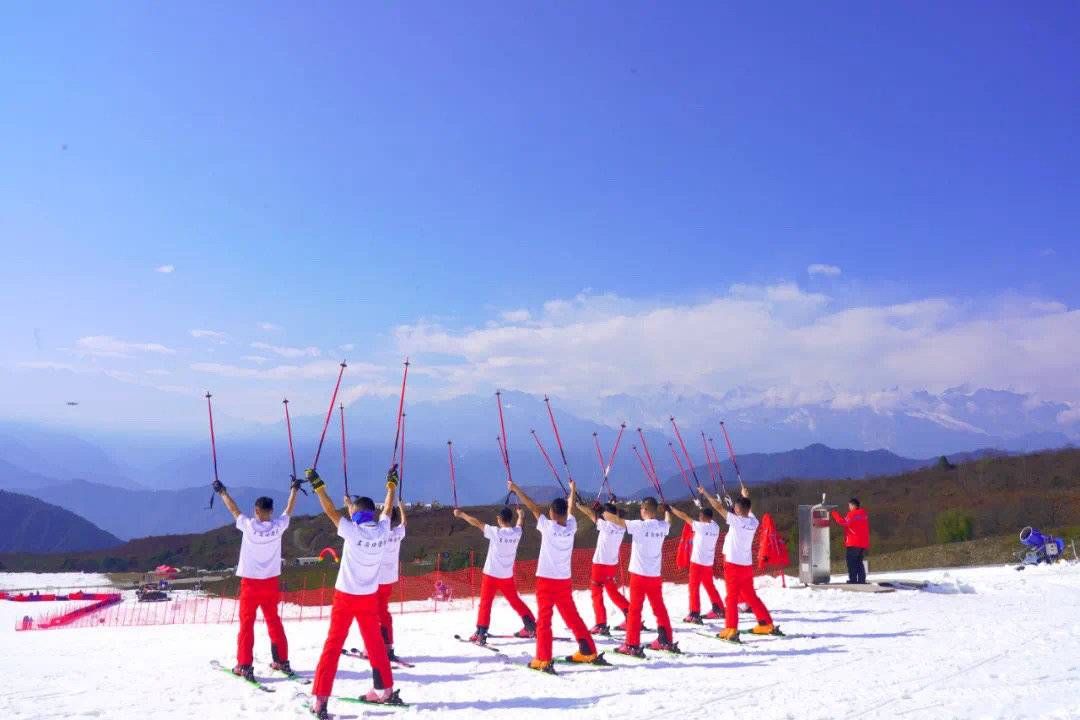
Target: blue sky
{"type": "Point", "coordinates": [425, 177]}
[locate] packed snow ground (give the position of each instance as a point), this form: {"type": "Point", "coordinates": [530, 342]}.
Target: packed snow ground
{"type": "Point", "coordinates": [986, 643]}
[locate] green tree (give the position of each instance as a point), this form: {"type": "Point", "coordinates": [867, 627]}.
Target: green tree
{"type": "Point", "coordinates": [954, 526]}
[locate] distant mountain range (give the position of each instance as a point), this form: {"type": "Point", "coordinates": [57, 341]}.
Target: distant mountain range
{"type": "Point", "coordinates": [33, 526]}
{"type": "Point", "coordinates": [886, 433]}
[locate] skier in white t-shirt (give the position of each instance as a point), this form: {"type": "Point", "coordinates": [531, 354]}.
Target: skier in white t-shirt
{"type": "Point", "coordinates": [258, 569]}
{"type": "Point", "coordinates": [646, 554]}
{"type": "Point", "coordinates": [605, 565]}
{"type": "Point", "coordinates": [498, 574]}
{"type": "Point", "coordinates": [388, 575]}
{"type": "Point", "coordinates": [554, 589]}
{"type": "Point", "coordinates": [739, 566]}
{"type": "Point", "coordinates": [356, 592]}
{"type": "Point", "coordinates": [702, 561]}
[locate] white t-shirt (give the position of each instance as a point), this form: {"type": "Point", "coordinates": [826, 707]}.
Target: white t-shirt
{"type": "Point", "coordinates": [361, 558]}
{"type": "Point", "coordinates": [608, 540]}
{"type": "Point", "coordinates": [703, 550]}
{"type": "Point", "coordinates": [739, 541]}
{"type": "Point", "coordinates": [388, 571]}
{"type": "Point", "coordinates": [502, 551]}
{"type": "Point", "coordinates": [648, 545]}
{"type": "Point", "coordinates": [556, 547]}
{"type": "Point", "coordinates": [260, 550]}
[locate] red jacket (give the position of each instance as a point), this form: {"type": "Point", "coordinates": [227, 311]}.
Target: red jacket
{"type": "Point", "coordinates": [856, 528]}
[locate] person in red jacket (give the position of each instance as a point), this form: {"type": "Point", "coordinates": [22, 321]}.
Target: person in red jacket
{"type": "Point", "coordinates": [856, 526]}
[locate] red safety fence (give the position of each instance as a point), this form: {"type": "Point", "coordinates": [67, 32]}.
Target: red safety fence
{"type": "Point", "coordinates": [428, 592]}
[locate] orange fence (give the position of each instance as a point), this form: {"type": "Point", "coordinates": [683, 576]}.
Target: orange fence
{"type": "Point", "coordinates": [429, 592]}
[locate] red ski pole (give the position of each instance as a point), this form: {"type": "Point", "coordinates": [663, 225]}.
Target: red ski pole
{"type": "Point", "coordinates": [548, 459]}
{"type": "Point", "coordinates": [731, 453]}
{"type": "Point", "coordinates": [288, 429]}
{"type": "Point", "coordinates": [504, 442]}
{"type": "Point", "coordinates": [645, 467]}
{"type": "Point", "coordinates": [709, 463]}
{"type": "Point", "coordinates": [678, 435]}
{"type": "Point", "coordinates": [610, 462]}
{"type": "Point", "coordinates": [401, 408]}
{"type": "Point", "coordinates": [401, 464]}
{"type": "Point", "coordinates": [682, 470]}
{"type": "Point", "coordinates": [329, 412]}
{"type": "Point", "coordinates": [453, 476]}
{"type": "Point", "coordinates": [213, 443]}
{"type": "Point", "coordinates": [558, 439]}
{"type": "Point", "coordinates": [648, 455]}
{"type": "Point", "coordinates": [719, 471]}
{"type": "Point", "coordinates": [344, 460]}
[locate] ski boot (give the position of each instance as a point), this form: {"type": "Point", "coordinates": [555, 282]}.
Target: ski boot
{"type": "Point", "coordinates": [601, 629]}
{"type": "Point", "coordinates": [318, 709]}
{"type": "Point", "coordinates": [283, 666]}
{"type": "Point", "coordinates": [693, 618]}
{"type": "Point", "coordinates": [545, 666]}
{"type": "Point", "coordinates": [480, 636]}
{"type": "Point", "coordinates": [663, 642]}
{"type": "Point", "coordinates": [587, 654]}
{"type": "Point", "coordinates": [631, 650]}
{"type": "Point", "coordinates": [729, 635]}
{"type": "Point", "coordinates": [717, 613]}
{"type": "Point", "coordinates": [385, 696]}
{"type": "Point", "coordinates": [391, 655]}
{"type": "Point", "coordinates": [529, 629]}
{"type": "Point", "coordinates": [245, 671]}
{"type": "Point", "coordinates": [766, 629]}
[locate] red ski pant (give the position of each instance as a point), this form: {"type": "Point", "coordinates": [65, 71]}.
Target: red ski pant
{"type": "Point", "coordinates": [386, 620]}
{"type": "Point", "coordinates": [552, 594]}
{"type": "Point", "coordinates": [603, 578]}
{"type": "Point", "coordinates": [506, 587]}
{"type": "Point", "coordinates": [739, 582]}
{"type": "Point", "coordinates": [642, 587]}
{"type": "Point", "coordinates": [365, 610]}
{"type": "Point", "coordinates": [255, 594]}
{"type": "Point", "coordinates": [701, 576]}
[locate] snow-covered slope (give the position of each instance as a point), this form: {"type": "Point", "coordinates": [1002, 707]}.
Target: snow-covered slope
{"type": "Point", "coordinates": [989, 643]}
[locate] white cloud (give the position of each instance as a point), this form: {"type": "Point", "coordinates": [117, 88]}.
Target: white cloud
{"type": "Point", "coordinates": [822, 269]}
{"type": "Point", "coordinates": [1070, 416]}
{"type": "Point", "coordinates": [319, 370]}
{"type": "Point", "coordinates": [269, 327]}
{"type": "Point", "coordinates": [158, 371]}
{"type": "Point", "coordinates": [46, 365]}
{"type": "Point", "coordinates": [106, 346]}
{"type": "Point", "coordinates": [348, 347]}
{"type": "Point", "coordinates": [287, 352]}
{"type": "Point", "coordinates": [257, 359]}
{"type": "Point", "coordinates": [166, 269]}
{"type": "Point", "coordinates": [777, 337]}
{"type": "Point", "coordinates": [1047, 252]}
{"type": "Point", "coordinates": [209, 334]}
{"type": "Point", "coordinates": [516, 316]}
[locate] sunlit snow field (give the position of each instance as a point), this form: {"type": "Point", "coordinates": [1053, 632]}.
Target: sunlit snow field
{"type": "Point", "coordinates": [984, 643]}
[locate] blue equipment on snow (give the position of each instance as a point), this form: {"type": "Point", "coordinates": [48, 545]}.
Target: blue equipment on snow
{"type": "Point", "coordinates": [1042, 548]}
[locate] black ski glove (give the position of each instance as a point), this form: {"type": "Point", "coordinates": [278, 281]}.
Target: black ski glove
{"type": "Point", "coordinates": [297, 484]}
{"type": "Point", "coordinates": [392, 477]}
{"type": "Point", "coordinates": [313, 477]}
{"type": "Point", "coordinates": [219, 487]}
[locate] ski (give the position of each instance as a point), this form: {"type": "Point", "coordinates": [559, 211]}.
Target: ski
{"type": "Point", "coordinates": [361, 655]}
{"type": "Point", "coordinates": [714, 636]}
{"type": "Point", "coordinates": [518, 637]}
{"type": "Point", "coordinates": [777, 635]}
{"type": "Point", "coordinates": [292, 676]}
{"type": "Point", "coordinates": [256, 684]}
{"type": "Point", "coordinates": [492, 648]}
{"type": "Point", "coordinates": [395, 702]}
{"type": "Point", "coordinates": [600, 663]}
